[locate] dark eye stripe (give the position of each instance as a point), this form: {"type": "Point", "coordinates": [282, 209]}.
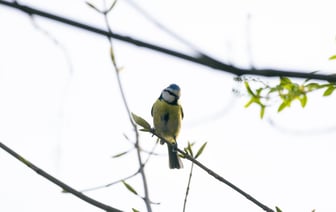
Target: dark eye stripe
{"type": "Point", "coordinates": [171, 93]}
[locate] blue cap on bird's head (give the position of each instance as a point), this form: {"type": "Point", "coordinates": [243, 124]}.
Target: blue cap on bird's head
{"type": "Point", "coordinates": [174, 89]}
{"type": "Point", "coordinates": [174, 86]}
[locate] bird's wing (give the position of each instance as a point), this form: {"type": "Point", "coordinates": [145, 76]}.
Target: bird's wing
{"type": "Point", "coordinates": [152, 110]}
{"type": "Point", "coordinates": [182, 112]}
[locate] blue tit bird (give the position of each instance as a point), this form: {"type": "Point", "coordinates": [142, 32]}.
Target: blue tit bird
{"type": "Point", "coordinates": [167, 117]}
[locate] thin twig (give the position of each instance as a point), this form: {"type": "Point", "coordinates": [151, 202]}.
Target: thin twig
{"type": "Point", "coordinates": [110, 184]}
{"type": "Point", "coordinates": [165, 29]}
{"type": "Point", "coordinates": [137, 142]}
{"type": "Point", "coordinates": [54, 180]}
{"type": "Point", "coordinates": [56, 42]}
{"type": "Point", "coordinates": [215, 175]}
{"type": "Point", "coordinates": [188, 187]}
{"type": "Point", "coordinates": [125, 178]}
{"type": "Point", "coordinates": [151, 153]}
{"type": "Point", "coordinates": [199, 59]}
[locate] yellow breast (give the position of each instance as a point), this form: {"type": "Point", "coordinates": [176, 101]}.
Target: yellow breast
{"type": "Point", "coordinates": [167, 119]}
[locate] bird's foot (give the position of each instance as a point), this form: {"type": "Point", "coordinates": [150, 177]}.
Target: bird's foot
{"type": "Point", "coordinates": [152, 130]}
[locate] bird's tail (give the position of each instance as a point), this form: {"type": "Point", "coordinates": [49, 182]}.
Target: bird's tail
{"type": "Point", "coordinates": [174, 160]}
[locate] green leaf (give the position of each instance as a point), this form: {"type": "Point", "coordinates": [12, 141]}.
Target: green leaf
{"type": "Point", "coordinates": [333, 57]}
{"type": "Point", "coordinates": [182, 156]}
{"type": "Point", "coordinates": [249, 102]}
{"type": "Point", "coordinates": [285, 80]}
{"type": "Point", "coordinates": [145, 130]}
{"type": "Point", "coordinates": [262, 111]}
{"type": "Point", "coordinates": [303, 100]}
{"type": "Point", "coordinates": [135, 210]}
{"type": "Point", "coordinates": [190, 149]}
{"type": "Point", "coordinates": [112, 55]}
{"type": "Point", "coordinates": [120, 154]}
{"type": "Point", "coordinates": [92, 6]}
{"type": "Point", "coordinates": [199, 152]}
{"type": "Point", "coordinates": [130, 188]}
{"type": "Point", "coordinates": [140, 121]}
{"type": "Point", "coordinates": [248, 88]}
{"type": "Point", "coordinates": [111, 7]}
{"type": "Point", "coordinates": [312, 86]}
{"type": "Point", "coordinates": [278, 209]}
{"type": "Point", "coordinates": [329, 90]}
{"type": "Point", "coordinates": [283, 105]}
{"type": "Point", "coordinates": [271, 90]}
{"type": "Point", "coordinates": [258, 91]}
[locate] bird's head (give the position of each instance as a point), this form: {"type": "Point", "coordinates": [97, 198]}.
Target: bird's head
{"type": "Point", "coordinates": [171, 94]}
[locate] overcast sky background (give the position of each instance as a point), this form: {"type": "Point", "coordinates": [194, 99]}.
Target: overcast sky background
{"type": "Point", "coordinates": [61, 107]}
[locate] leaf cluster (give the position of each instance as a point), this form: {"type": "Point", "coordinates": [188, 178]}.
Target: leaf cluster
{"type": "Point", "coordinates": [188, 150]}
{"type": "Point", "coordinates": [287, 91]}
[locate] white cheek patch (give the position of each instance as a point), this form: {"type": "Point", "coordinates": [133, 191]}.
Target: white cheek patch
{"type": "Point", "coordinates": [168, 97]}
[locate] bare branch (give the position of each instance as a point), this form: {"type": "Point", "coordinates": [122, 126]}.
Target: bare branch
{"type": "Point", "coordinates": [215, 175]}
{"type": "Point", "coordinates": [137, 140]}
{"type": "Point", "coordinates": [54, 180]}
{"type": "Point", "coordinates": [201, 59]}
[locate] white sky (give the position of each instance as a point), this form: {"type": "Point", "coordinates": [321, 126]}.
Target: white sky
{"type": "Point", "coordinates": [70, 120]}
